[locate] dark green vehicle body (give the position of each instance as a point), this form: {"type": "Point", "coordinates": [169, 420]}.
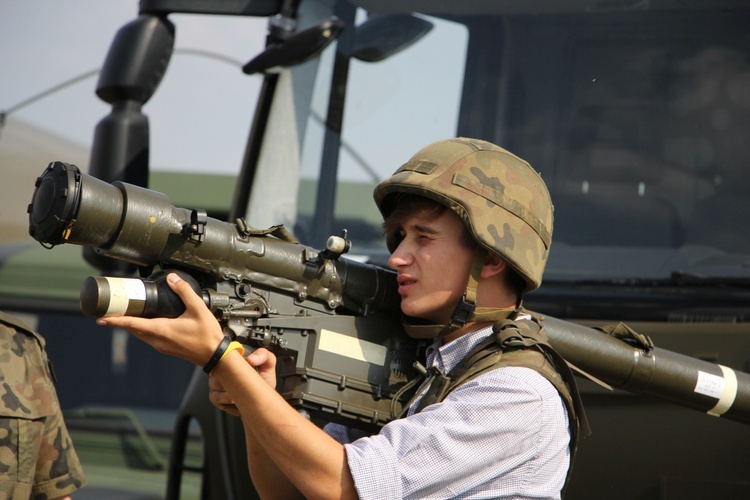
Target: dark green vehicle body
{"type": "Point", "coordinates": [635, 112]}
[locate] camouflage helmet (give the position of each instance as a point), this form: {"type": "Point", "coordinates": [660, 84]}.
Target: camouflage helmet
{"type": "Point", "coordinates": [500, 198]}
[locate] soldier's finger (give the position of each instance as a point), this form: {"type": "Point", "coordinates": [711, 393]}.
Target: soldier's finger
{"type": "Point", "coordinates": [185, 291]}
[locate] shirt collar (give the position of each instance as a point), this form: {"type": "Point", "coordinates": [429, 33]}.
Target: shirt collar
{"type": "Point", "coordinates": [446, 356]}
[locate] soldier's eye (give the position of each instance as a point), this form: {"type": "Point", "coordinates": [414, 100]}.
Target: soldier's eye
{"type": "Point", "coordinates": [393, 240]}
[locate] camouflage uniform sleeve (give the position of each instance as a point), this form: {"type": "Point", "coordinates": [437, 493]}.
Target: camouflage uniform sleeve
{"type": "Point", "coordinates": [37, 458]}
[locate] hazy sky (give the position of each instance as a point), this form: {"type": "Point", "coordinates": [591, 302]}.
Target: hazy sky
{"type": "Point", "coordinates": [200, 114]}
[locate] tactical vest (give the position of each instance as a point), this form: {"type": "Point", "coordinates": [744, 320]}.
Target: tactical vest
{"type": "Point", "coordinates": [517, 341]}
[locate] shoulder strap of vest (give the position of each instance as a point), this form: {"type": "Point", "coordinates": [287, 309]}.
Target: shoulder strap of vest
{"type": "Point", "coordinates": [539, 355]}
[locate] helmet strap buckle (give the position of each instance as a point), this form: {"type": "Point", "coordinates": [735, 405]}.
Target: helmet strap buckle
{"type": "Point", "coordinates": [462, 313]}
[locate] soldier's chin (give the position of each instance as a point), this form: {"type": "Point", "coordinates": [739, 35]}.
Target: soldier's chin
{"type": "Point", "coordinates": [419, 316]}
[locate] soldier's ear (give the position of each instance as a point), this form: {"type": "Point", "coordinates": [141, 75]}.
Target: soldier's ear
{"type": "Point", "coordinates": [493, 265]}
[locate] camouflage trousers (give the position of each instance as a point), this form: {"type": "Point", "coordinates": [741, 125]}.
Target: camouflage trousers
{"type": "Point", "coordinates": [37, 458]}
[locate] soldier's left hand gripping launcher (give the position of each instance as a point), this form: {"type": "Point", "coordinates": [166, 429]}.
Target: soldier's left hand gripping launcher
{"type": "Point", "coordinates": [333, 322]}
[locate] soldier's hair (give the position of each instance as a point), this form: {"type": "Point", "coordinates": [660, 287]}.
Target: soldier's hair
{"type": "Point", "coordinates": [407, 205]}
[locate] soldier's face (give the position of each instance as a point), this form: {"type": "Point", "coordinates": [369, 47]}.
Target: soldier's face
{"type": "Point", "coordinates": [433, 266]}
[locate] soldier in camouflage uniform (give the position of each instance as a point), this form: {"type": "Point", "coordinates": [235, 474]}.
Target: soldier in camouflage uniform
{"type": "Point", "coordinates": [37, 459]}
{"type": "Point", "coordinates": [469, 226]}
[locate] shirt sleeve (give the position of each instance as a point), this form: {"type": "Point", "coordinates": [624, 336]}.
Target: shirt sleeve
{"type": "Point", "coordinates": [492, 435]}
{"type": "Point", "coordinates": [344, 434]}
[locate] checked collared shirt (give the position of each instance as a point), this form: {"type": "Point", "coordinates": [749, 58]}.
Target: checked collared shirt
{"type": "Point", "coordinates": [502, 435]}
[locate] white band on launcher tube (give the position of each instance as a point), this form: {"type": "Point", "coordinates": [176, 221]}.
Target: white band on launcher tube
{"type": "Point", "coordinates": [124, 294]}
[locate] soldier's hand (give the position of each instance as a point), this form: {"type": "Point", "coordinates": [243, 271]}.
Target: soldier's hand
{"type": "Point", "coordinates": [220, 398]}
{"type": "Point", "coordinates": [264, 362]}
{"type": "Point", "coordinates": [193, 336]}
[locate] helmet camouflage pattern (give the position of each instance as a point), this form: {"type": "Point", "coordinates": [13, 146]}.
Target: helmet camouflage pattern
{"type": "Point", "coordinates": [500, 198]}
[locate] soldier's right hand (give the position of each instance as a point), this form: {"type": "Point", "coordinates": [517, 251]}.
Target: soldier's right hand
{"type": "Point", "coordinates": [264, 362]}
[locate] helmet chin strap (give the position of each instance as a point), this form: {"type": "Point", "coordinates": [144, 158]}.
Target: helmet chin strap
{"type": "Point", "coordinates": [466, 310]}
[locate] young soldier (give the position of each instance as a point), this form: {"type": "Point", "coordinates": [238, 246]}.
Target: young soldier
{"type": "Point", "coordinates": [469, 227]}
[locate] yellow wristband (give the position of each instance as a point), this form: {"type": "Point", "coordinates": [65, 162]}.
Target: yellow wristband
{"type": "Point", "coordinates": [233, 346]}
